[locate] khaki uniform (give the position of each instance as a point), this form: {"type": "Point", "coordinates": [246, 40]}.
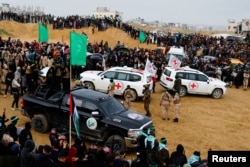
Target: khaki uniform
{"type": "Point", "coordinates": [246, 76]}
{"type": "Point", "coordinates": [165, 101]}
{"type": "Point", "coordinates": [177, 103]}
{"type": "Point", "coordinates": [147, 100]}
{"type": "Point", "coordinates": [128, 96]}
{"type": "Point", "coordinates": [111, 89]}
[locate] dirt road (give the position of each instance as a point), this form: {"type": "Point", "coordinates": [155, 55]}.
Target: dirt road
{"type": "Point", "coordinates": [205, 123]}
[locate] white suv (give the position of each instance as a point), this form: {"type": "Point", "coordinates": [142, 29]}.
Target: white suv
{"type": "Point", "coordinates": [193, 82]}
{"type": "Point", "coordinates": [123, 76]}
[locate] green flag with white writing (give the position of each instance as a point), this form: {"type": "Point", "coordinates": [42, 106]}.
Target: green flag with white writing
{"type": "Point", "coordinates": [43, 34]}
{"type": "Point", "coordinates": [142, 36]}
{"type": "Point", "coordinates": [78, 49]}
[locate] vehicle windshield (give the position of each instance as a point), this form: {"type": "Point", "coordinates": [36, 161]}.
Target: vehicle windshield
{"type": "Point", "coordinates": [112, 106]}
{"type": "Point", "coordinates": [100, 73]}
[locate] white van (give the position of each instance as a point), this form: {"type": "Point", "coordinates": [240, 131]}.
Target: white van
{"type": "Point", "coordinates": [177, 52]}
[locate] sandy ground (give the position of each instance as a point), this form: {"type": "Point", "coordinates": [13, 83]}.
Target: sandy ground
{"type": "Point", "coordinates": [205, 123]}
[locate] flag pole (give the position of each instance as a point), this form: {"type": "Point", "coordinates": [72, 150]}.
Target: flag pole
{"type": "Point", "coordinates": [70, 115]}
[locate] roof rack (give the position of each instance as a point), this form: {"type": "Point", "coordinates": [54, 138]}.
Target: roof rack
{"type": "Point", "coordinates": [187, 68]}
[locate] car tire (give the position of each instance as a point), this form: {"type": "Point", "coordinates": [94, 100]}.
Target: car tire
{"type": "Point", "coordinates": [217, 93]}
{"type": "Point", "coordinates": [40, 123]}
{"type": "Point", "coordinates": [183, 91]}
{"type": "Point", "coordinates": [134, 95]}
{"type": "Point", "coordinates": [90, 85]}
{"type": "Point", "coordinates": [117, 143]}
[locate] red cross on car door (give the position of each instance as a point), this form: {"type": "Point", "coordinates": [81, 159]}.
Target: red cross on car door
{"type": "Point", "coordinates": [199, 85]}
{"type": "Point", "coordinates": [119, 87]}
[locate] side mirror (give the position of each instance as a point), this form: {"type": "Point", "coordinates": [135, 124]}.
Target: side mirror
{"type": "Point", "coordinates": [208, 81]}
{"type": "Point", "coordinates": [102, 76]}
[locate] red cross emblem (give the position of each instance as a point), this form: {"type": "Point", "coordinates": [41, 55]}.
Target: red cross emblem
{"type": "Point", "coordinates": [193, 85]}
{"type": "Point", "coordinates": [118, 85]}
{"type": "Point", "coordinates": [175, 61]}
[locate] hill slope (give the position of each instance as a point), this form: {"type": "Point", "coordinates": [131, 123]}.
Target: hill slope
{"type": "Point", "coordinates": [29, 32]}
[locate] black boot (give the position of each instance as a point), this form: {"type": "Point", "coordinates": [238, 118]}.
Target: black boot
{"type": "Point", "coordinates": [176, 120]}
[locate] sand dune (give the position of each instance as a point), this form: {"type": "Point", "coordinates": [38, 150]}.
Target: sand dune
{"type": "Point", "coordinates": [29, 32]}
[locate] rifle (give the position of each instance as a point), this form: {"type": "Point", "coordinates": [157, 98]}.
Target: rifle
{"type": "Point", "coordinates": [4, 119]}
{"type": "Point", "coordinates": [2, 124]}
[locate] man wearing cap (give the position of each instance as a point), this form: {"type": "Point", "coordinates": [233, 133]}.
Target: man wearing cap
{"type": "Point", "coordinates": [177, 103]}
{"type": "Point", "coordinates": [165, 101]}
{"type": "Point", "coordinates": [147, 99]}
{"type": "Point", "coordinates": [63, 142]}
{"type": "Point", "coordinates": [163, 153]}
{"type": "Point", "coordinates": [111, 87]}
{"type": "Point", "coordinates": [11, 128]}
{"type": "Point", "coordinates": [128, 94]}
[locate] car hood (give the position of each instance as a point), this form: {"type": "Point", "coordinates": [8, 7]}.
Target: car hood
{"type": "Point", "coordinates": [218, 81]}
{"type": "Point", "coordinates": [129, 120]}
{"type": "Point", "coordinates": [90, 72]}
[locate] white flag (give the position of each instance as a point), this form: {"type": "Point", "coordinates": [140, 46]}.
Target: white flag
{"type": "Point", "coordinates": [149, 68]}
{"type": "Point", "coordinates": [174, 62]}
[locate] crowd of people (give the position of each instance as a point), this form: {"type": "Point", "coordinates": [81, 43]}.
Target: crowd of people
{"type": "Point", "coordinates": [18, 149]}
{"type": "Point", "coordinates": [21, 63]}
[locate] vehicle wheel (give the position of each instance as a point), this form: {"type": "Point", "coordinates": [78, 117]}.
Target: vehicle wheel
{"type": "Point", "coordinates": [134, 95]}
{"type": "Point", "coordinates": [40, 123]}
{"type": "Point", "coordinates": [117, 143]}
{"type": "Point", "coordinates": [90, 85]}
{"type": "Point", "coordinates": [183, 91]}
{"type": "Point", "coordinates": [217, 93]}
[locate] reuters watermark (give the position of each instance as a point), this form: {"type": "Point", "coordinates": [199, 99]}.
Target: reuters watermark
{"type": "Point", "coordinates": [229, 158]}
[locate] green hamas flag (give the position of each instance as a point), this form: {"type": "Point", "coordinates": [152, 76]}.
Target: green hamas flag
{"type": "Point", "coordinates": [142, 36]}
{"type": "Point", "coordinates": [43, 34]}
{"type": "Point", "coordinates": [78, 49]}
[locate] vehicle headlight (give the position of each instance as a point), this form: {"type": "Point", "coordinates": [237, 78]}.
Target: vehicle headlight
{"type": "Point", "coordinates": [133, 133]}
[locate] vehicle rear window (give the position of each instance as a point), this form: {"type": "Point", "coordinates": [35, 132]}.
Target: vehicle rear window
{"type": "Point", "coordinates": [167, 72]}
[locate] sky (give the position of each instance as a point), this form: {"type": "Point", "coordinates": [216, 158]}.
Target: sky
{"type": "Point", "coordinates": [191, 12]}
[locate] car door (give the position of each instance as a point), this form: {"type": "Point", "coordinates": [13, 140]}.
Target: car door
{"type": "Point", "coordinates": [197, 84]}
{"type": "Point", "coordinates": [85, 109]}
{"type": "Point", "coordinates": [204, 87]}
{"type": "Point", "coordinates": [191, 83]}
{"type": "Point", "coordinates": [121, 82]}
{"type": "Point", "coordinates": [104, 81]}
{"type": "Point", "coordinates": [60, 116]}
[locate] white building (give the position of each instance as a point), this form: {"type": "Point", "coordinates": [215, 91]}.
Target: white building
{"type": "Point", "coordinates": [240, 28]}
{"type": "Point", "coordinates": [245, 25]}
{"type": "Point", "coordinates": [232, 26]}
{"type": "Point", "coordinates": [102, 12]}
{"type": "Point", "coordinates": [25, 9]}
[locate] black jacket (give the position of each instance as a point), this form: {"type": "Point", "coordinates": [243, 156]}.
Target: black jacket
{"type": "Point", "coordinates": [24, 135]}
{"type": "Point", "coordinates": [12, 130]}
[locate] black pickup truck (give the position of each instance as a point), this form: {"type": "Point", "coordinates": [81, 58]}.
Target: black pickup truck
{"type": "Point", "coordinates": [102, 118]}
